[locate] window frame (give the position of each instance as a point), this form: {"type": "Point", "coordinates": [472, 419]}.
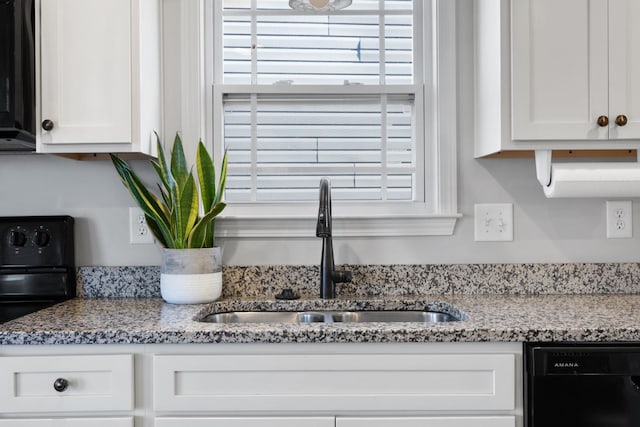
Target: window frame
{"type": "Point", "coordinates": [202, 115]}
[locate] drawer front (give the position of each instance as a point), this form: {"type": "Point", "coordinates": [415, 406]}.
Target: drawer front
{"type": "Point", "coordinates": [93, 383]}
{"type": "Point", "coordinates": [336, 382]}
{"type": "Point", "coordinates": [69, 422]}
{"type": "Point", "coordinates": [246, 422]}
{"type": "Point", "coordinates": [507, 421]}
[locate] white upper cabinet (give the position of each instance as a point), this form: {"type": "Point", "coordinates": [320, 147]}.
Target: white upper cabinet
{"type": "Point", "coordinates": [624, 69]}
{"type": "Point", "coordinates": [99, 76]}
{"type": "Point", "coordinates": [557, 75]}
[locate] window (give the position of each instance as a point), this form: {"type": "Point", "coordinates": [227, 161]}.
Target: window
{"type": "Point", "coordinates": [299, 139]}
{"type": "Point", "coordinates": [346, 94]}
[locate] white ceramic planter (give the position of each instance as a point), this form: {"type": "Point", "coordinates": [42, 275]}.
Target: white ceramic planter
{"type": "Point", "coordinates": [191, 276]}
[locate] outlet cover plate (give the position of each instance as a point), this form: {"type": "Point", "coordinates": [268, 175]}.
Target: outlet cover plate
{"type": "Point", "coordinates": [619, 219]}
{"type": "Point", "coordinates": [493, 222]}
{"type": "Point", "coordinates": [139, 233]}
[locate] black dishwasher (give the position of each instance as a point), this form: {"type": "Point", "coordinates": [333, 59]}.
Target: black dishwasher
{"type": "Point", "coordinates": [582, 385]}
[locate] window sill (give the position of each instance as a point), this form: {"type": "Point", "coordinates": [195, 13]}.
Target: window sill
{"type": "Point", "coordinates": [343, 226]}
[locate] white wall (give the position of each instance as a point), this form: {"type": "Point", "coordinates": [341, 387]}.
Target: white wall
{"type": "Point", "coordinates": [556, 230]}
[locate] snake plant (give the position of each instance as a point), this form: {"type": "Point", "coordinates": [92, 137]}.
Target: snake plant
{"type": "Point", "coordinates": [175, 217]}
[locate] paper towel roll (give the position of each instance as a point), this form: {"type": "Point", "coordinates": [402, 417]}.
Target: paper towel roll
{"type": "Point", "coordinates": [594, 180]}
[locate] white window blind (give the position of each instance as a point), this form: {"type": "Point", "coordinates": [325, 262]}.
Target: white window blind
{"type": "Point", "coordinates": [306, 95]}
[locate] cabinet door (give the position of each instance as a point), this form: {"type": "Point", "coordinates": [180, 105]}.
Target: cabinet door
{"type": "Point", "coordinates": [69, 422]}
{"type": "Point", "coordinates": [85, 71]}
{"type": "Point", "coordinates": [333, 383]}
{"type": "Point", "coordinates": [66, 383]}
{"type": "Point", "coordinates": [246, 422]}
{"type": "Point", "coordinates": [504, 421]}
{"type": "Point", "coordinates": [559, 69]}
{"type": "Point", "coordinates": [624, 68]}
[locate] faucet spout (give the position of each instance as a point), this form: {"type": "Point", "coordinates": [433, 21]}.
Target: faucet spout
{"type": "Point", "coordinates": [323, 229]}
{"type": "Point", "coordinates": [329, 276]}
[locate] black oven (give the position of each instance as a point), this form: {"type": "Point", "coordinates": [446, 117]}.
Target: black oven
{"type": "Point", "coordinates": [37, 266]}
{"type": "Point", "coordinates": [582, 385]}
{"type": "Point", "coordinates": [17, 76]}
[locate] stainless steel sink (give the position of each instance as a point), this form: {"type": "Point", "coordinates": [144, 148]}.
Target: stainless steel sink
{"type": "Point", "coordinates": [337, 316]}
{"type": "Point", "coordinates": [393, 316]}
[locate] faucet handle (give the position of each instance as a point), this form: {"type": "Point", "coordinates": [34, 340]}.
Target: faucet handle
{"type": "Point", "coordinates": [322, 229]}
{"type": "Point", "coordinates": [341, 276]}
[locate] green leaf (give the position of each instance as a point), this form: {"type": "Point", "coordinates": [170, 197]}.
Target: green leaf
{"type": "Point", "coordinates": [156, 230]}
{"type": "Point", "coordinates": [160, 174]}
{"type": "Point", "coordinates": [165, 197]}
{"type": "Point", "coordinates": [223, 180]}
{"type": "Point", "coordinates": [148, 202]}
{"type": "Point", "coordinates": [164, 172]}
{"type": "Point", "coordinates": [197, 237]}
{"type": "Point", "coordinates": [206, 176]}
{"type": "Point", "coordinates": [179, 162]}
{"type": "Point", "coordinates": [185, 212]}
{"type": "Point", "coordinates": [160, 165]}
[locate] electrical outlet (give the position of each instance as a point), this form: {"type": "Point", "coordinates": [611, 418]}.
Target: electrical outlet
{"type": "Point", "coordinates": [493, 222]}
{"type": "Point", "coordinates": [619, 220]}
{"type": "Point", "coordinates": [139, 232]}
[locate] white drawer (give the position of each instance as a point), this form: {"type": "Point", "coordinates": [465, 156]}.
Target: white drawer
{"type": "Point", "coordinates": [94, 383]}
{"type": "Point", "coordinates": [334, 383]}
{"type": "Point", "coordinates": [246, 422]}
{"type": "Point", "coordinates": [69, 422]}
{"type": "Point", "coordinates": [506, 421]}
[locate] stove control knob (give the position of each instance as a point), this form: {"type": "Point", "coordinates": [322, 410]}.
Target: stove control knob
{"type": "Point", "coordinates": [41, 238]}
{"type": "Point", "coordinates": [17, 238]}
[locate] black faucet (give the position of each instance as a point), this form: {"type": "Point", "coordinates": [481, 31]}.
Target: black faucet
{"type": "Point", "coordinates": [329, 276]}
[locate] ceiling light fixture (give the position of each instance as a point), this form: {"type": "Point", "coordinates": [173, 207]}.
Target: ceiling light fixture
{"type": "Point", "coordinates": [319, 5]}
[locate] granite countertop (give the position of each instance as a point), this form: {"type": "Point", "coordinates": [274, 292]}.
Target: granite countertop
{"type": "Point", "coordinates": [489, 317]}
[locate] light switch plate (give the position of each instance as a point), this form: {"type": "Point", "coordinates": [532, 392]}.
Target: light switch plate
{"type": "Point", "coordinates": [493, 222]}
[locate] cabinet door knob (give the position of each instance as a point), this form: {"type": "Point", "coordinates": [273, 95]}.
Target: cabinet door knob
{"type": "Point", "coordinates": [603, 121]}
{"type": "Point", "coordinates": [621, 120]}
{"type": "Point", "coordinates": [47, 125]}
{"type": "Point", "coordinates": [60, 385]}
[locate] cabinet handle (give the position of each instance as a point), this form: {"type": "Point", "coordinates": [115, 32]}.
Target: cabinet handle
{"type": "Point", "coordinates": [621, 120]}
{"type": "Point", "coordinates": [47, 125]}
{"type": "Point", "coordinates": [60, 385]}
{"type": "Point", "coordinates": [603, 121]}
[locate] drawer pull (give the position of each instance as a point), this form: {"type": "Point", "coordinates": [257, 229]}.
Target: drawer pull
{"type": "Point", "coordinates": [47, 125]}
{"type": "Point", "coordinates": [60, 385]}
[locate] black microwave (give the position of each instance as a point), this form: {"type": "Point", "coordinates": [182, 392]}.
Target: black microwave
{"type": "Point", "coordinates": [17, 76]}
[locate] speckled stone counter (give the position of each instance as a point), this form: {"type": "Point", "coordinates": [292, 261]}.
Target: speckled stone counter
{"type": "Point", "coordinates": [377, 281]}
{"type": "Point", "coordinates": [488, 318]}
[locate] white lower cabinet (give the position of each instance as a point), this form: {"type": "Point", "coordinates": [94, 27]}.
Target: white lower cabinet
{"type": "Point", "coordinates": [428, 385]}
{"type": "Point", "coordinates": [480, 421]}
{"type": "Point", "coordinates": [66, 390]}
{"type": "Point", "coordinates": [273, 383]}
{"type": "Point", "coordinates": [66, 383]}
{"type": "Point", "coordinates": [262, 385]}
{"type": "Point", "coordinates": [246, 422]}
{"type": "Point", "coordinates": [69, 422]}
{"type": "Point", "coordinates": [505, 421]}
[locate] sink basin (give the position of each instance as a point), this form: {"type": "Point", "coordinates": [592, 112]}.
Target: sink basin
{"type": "Point", "coordinates": [393, 316]}
{"type": "Point", "coordinates": [359, 316]}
